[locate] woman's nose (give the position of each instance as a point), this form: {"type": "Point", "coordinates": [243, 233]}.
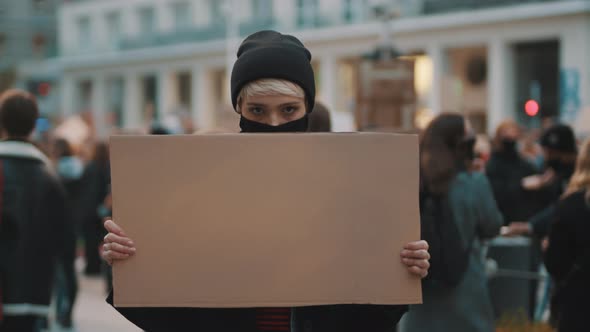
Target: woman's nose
{"type": "Point", "coordinates": [274, 119]}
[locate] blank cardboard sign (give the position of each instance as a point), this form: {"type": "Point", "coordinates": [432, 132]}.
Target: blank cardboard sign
{"type": "Point", "coordinates": [263, 220]}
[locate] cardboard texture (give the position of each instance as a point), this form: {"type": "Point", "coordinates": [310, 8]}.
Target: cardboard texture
{"type": "Point", "coordinates": [263, 220]}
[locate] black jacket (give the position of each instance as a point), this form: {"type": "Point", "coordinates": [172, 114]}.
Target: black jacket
{"type": "Point", "coordinates": [550, 196]}
{"type": "Point", "coordinates": [569, 245]}
{"type": "Point", "coordinates": [505, 172]}
{"type": "Point", "coordinates": [341, 318]}
{"type": "Point", "coordinates": [33, 226]}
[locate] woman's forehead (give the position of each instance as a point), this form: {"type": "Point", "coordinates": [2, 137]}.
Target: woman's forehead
{"type": "Point", "coordinates": [272, 99]}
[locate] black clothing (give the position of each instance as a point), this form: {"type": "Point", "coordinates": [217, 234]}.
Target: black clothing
{"type": "Point", "coordinates": [28, 323]}
{"type": "Point", "coordinates": [270, 54]}
{"type": "Point", "coordinates": [33, 228]}
{"type": "Point", "coordinates": [249, 126]}
{"type": "Point", "coordinates": [505, 170]}
{"type": "Point", "coordinates": [97, 180]}
{"type": "Point", "coordinates": [560, 138]}
{"type": "Point", "coordinates": [342, 318]}
{"type": "Point", "coordinates": [569, 244]}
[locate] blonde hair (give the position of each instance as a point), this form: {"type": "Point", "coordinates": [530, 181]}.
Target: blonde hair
{"type": "Point", "coordinates": [581, 178]}
{"type": "Point", "coordinates": [269, 87]}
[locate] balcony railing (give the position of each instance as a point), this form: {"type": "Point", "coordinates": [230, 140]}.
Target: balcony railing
{"type": "Point", "coordinates": [212, 32]}
{"type": "Point", "coordinates": [445, 6]}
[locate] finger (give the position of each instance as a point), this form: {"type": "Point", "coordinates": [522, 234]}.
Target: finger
{"type": "Point", "coordinates": [113, 255]}
{"type": "Point", "coordinates": [421, 263]}
{"type": "Point", "coordinates": [417, 245]}
{"type": "Point", "coordinates": [116, 247]}
{"type": "Point", "coordinates": [106, 257]}
{"type": "Point", "coordinates": [112, 227]}
{"type": "Point", "coordinates": [415, 254]}
{"type": "Point", "coordinates": [418, 271]}
{"type": "Point", "coordinates": [113, 238]}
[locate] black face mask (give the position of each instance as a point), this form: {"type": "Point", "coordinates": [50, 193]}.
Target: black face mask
{"type": "Point", "coordinates": [249, 126]}
{"type": "Point", "coordinates": [509, 146]}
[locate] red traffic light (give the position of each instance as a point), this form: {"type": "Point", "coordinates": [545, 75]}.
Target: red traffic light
{"type": "Point", "coordinates": [531, 108]}
{"type": "Point", "coordinates": [43, 89]}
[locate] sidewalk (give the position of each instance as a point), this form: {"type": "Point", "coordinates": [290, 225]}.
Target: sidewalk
{"type": "Point", "coordinates": [92, 313]}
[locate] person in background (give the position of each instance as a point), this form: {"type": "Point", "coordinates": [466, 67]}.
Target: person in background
{"type": "Point", "coordinates": [33, 218]}
{"type": "Point", "coordinates": [97, 179]}
{"type": "Point", "coordinates": [506, 169]}
{"type": "Point", "coordinates": [446, 154]}
{"type": "Point", "coordinates": [560, 152]}
{"type": "Point", "coordinates": [319, 119]}
{"type": "Point", "coordinates": [481, 153]}
{"type": "Point", "coordinates": [567, 257]}
{"type": "Point", "coordinates": [70, 169]}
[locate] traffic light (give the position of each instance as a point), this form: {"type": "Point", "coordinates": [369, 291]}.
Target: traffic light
{"type": "Point", "coordinates": [531, 108]}
{"type": "Point", "coordinates": [40, 88]}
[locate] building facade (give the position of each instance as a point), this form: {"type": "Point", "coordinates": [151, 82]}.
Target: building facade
{"type": "Point", "coordinates": [137, 61]}
{"type": "Point", "coordinates": [28, 33]}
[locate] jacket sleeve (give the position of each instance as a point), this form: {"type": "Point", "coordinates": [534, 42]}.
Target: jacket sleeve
{"type": "Point", "coordinates": [489, 218]}
{"type": "Point", "coordinates": [349, 317]}
{"type": "Point", "coordinates": [561, 253]}
{"type": "Point", "coordinates": [541, 222]}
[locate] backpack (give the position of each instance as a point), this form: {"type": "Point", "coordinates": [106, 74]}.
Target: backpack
{"type": "Point", "coordinates": [449, 258]}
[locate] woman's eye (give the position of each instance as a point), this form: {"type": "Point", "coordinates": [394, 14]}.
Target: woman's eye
{"type": "Point", "coordinates": [290, 110]}
{"type": "Point", "coordinates": [256, 111]}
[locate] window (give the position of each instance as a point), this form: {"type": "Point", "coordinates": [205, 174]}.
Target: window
{"type": "Point", "coordinates": [182, 15]}
{"type": "Point", "coordinates": [307, 13]}
{"type": "Point", "coordinates": [84, 33]}
{"type": "Point", "coordinates": [147, 21]}
{"type": "Point", "coordinates": [262, 9]}
{"type": "Point", "coordinates": [354, 11]}
{"type": "Point", "coordinates": [113, 21]}
{"type": "Point", "coordinates": [217, 13]}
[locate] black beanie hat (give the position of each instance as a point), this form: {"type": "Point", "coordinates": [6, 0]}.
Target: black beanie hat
{"type": "Point", "coordinates": [560, 138]}
{"type": "Point", "coordinates": [270, 54]}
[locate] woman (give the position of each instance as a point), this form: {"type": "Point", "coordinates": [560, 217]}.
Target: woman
{"type": "Point", "coordinates": [446, 154]}
{"type": "Point", "coordinates": [568, 255]}
{"type": "Point", "coordinates": [506, 170]}
{"type": "Point", "coordinates": [272, 88]}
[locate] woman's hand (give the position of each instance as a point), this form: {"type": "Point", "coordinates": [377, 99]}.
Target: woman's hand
{"type": "Point", "coordinates": [117, 246]}
{"type": "Point", "coordinates": [415, 257]}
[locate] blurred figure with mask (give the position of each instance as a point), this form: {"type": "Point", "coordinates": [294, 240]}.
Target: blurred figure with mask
{"type": "Point", "coordinates": [70, 169]}
{"type": "Point", "coordinates": [506, 170]}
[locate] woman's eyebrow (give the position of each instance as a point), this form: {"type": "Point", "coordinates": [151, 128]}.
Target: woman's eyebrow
{"type": "Point", "coordinates": [255, 104]}
{"type": "Point", "coordinates": [293, 103]}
